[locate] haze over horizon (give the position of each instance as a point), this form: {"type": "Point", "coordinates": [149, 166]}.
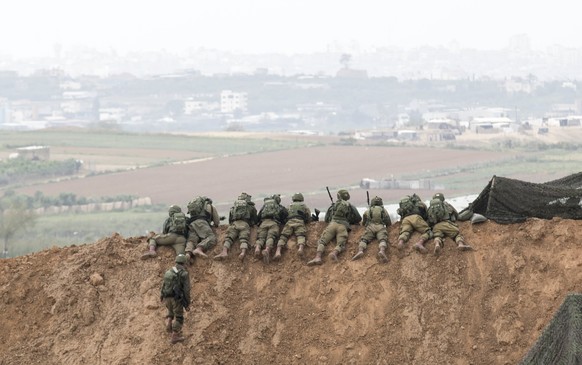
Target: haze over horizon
{"type": "Point", "coordinates": [36, 28]}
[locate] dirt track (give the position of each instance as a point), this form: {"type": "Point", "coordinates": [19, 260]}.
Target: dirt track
{"type": "Point", "coordinates": [482, 307]}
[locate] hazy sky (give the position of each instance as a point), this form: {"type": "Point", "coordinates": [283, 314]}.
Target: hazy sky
{"type": "Point", "coordinates": [33, 27]}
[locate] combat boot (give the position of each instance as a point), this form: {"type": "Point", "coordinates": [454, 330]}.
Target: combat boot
{"type": "Point", "coordinates": [150, 253]}
{"type": "Point", "coordinates": [301, 251]}
{"type": "Point", "coordinates": [419, 246]}
{"type": "Point", "coordinates": [243, 252]}
{"type": "Point", "coordinates": [382, 254]}
{"type": "Point", "coordinates": [333, 255]}
{"type": "Point", "coordinates": [177, 337]}
{"type": "Point", "coordinates": [357, 255]}
{"type": "Point", "coordinates": [277, 254]}
{"type": "Point", "coordinates": [401, 244]}
{"type": "Point", "coordinates": [316, 260]}
{"type": "Point", "coordinates": [438, 246]}
{"type": "Point", "coordinates": [222, 255]}
{"type": "Point", "coordinates": [462, 246]}
{"type": "Point", "coordinates": [198, 252]}
{"type": "Point", "coordinates": [169, 325]}
{"type": "Point", "coordinates": [257, 251]}
{"type": "Point", "coordinates": [267, 255]}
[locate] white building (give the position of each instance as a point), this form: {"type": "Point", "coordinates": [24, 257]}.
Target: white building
{"type": "Point", "coordinates": [231, 101]}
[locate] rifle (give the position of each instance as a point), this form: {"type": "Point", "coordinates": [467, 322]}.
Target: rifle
{"type": "Point", "coordinates": [368, 197]}
{"type": "Point", "coordinates": [328, 193]}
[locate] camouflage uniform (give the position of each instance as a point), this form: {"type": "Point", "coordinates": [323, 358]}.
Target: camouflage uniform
{"type": "Point", "coordinates": [168, 237]}
{"type": "Point", "coordinates": [175, 308]}
{"type": "Point", "coordinates": [200, 233]}
{"type": "Point", "coordinates": [239, 228]}
{"type": "Point", "coordinates": [299, 216]}
{"type": "Point", "coordinates": [447, 227]}
{"type": "Point", "coordinates": [268, 231]}
{"type": "Point", "coordinates": [376, 218]}
{"type": "Point", "coordinates": [414, 220]}
{"type": "Point", "coordinates": [340, 215]}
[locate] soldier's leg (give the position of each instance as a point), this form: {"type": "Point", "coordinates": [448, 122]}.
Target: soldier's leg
{"type": "Point", "coordinates": [178, 323]}
{"type": "Point", "coordinates": [406, 230]}
{"type": "Point", "coordinates": [231, 236]}
{"type": "Point", "coordinates": [206, 234]}
{"type": "Point", "coordinates": [261, 238]}
{"type": "Point", "coordinates": [301, 234]}
{"type": "Point", "coordinates": [382, 237]}
{"type": "Point", "coordinates": [151, 252]}
{"type": "Point", "coordinates": [179, 244]}
{"type": "Point", "coordinates": [244, 238]}
{"type": "Point", "coordinates": [341, 239]}
{"type": "Point", "coordinates": [324, 239]}
{"type": "Point", "coordinates": [364, 240]}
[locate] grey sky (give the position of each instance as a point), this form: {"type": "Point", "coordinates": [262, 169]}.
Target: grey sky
{"type": "Point", "coordinates": [33, 27]}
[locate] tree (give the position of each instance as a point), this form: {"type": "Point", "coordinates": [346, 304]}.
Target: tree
{"type": "Point", "coordinates": [14, 217]}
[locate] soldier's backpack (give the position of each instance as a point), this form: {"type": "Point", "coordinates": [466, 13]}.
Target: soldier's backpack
{"type": "Point", "coordinates": [377, 214]}
{"type": "Point", "coordinates": [240, 210]}
{"type": "Point", "coordinates": [406, 207]}
{"type": "Point", "coordinates": [178, 223]}
{"type": "Point", "coordinates": [172, 285]}
{"type": "Point", "coordinates": [297, 210]}
{"type": "Point", "coordinates": [198, 207]}
{"type": "Point", "coordinates": [270, 209]}
{"type": "Point", "coordinates": [341, 210]}
{"type": "Point", "coordinates": [437, 211]}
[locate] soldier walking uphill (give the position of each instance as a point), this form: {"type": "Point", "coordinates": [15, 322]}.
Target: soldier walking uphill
{"type": "Point", "coordinates": [175, 294]}
{"type": "Point", "coordinates": [413, 215]}
{"type": "Point", "coordinates": [271, 216]}
{"type": "Point", "coordinates": [200, 234]}
{"type": "Point", "coordinates": [174, 233]}
{"type": "Point", "coordinates": [442, 217]}
{"type": "Point", "coordinates": [376, 218]}
{"type": "Point", "coordinates": [339, 216]}
{"type": "Point", "coordinates": [299, 216]}
{"type": "Point", "coordinates": [242, 217]}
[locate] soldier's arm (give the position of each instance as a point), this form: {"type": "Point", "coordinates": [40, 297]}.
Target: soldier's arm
{"type": "Point", "coordinates": [166, 227]}
{"type": "Point", "coordinates": [308, 218]}
{"type": "Point", "coordinates": [186, 281]}
{"type": "Point", "coordinates": [357, 218]}
{"type": "Point", "coordinates": [387, 220]}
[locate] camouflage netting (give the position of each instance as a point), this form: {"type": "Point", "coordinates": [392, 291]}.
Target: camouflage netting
{"type": "Point", "coordinates": [510, 201]}
{"type": "Point", "coordinates": [561, 340]}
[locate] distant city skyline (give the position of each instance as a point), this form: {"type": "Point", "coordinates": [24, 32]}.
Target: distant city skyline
{"type": "Point", "coordinates": [34, 28]}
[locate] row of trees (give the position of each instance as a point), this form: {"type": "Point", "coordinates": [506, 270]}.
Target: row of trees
{"type": "Point", "coordinates": [19, 169]}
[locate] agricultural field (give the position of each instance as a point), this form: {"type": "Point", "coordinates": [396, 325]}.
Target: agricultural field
{"type": "Point", "coordinates": [172, 169]}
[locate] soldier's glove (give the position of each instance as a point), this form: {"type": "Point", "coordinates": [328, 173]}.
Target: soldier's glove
{"type": "Point", "coordinates": [314, 218]}
{"type": "Point", "coordinates": [222, 218]}
{"type": "Point", "coordinates": [317, 211]}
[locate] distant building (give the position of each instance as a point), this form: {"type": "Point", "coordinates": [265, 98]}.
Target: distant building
{"type": "Point", "coordinates": [231, 101]}
{"type": "Point", "coordinates": [32, 153]}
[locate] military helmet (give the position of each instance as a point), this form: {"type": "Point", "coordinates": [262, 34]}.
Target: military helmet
{"type": "Point", "coordinates": [174, 209]}
{"type": "Point", "coordinates": [439, 196]}
{"type": "Point", "coordinates": [376, 201]}
{"type": "Point", "coordinates": [181, 259]}
{"type": "Point", "coordinates": [244, 196]}
{"type": "Point", "coordinates": [343, 194]}
{"type": "Point", "coordinates": [277, 198]}
{"type": "Point", "coordinates": [297, 197]}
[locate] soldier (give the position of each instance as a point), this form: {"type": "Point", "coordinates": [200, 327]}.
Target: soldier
{"type": "Point", "coordinates": [299, 216]}
{"type": "Point", "coordinates": [339, 216]}
{"type": "Point", "coordinates": [271, 216]}
{"type": "Point", "coordinates": [200, 234]}
{"type": "Point", "coordinates": [174, 233]}
{"type": "Point", "coordinates": [175, 294]}
{"type": "Point", "coordinates": [442, 217]}
{"type": "Point", "coordinates": [412, 211]}
{"type": "Point", "coordinates": [376, 218]}
{"type": "Point", "coordinates": [242, 217]}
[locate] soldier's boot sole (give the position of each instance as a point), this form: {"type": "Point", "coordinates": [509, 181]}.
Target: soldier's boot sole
{"type": "Point", "coordinates": [220, 257]}
{"type": "Point", "coordinates": [437, 249]}
{"type": "Point", "coordinates": [200, 253]}
{"type": "Point", "coordinates": [314, 262]}
{"type": "Point", "coordinates": [382, 257]}
{"type": "Point", "coordinates": [266, 256]}
{"type": "Point", "coordinates": [333, 257]}
{"type": "Point", "coordinates": [464, 248]}
{"type": "Point", "coordinates": [148, 255]}
{"type": "Point", "coordinates": [420, 248]}
{"type": "Point", "coordinates": [357, 256]}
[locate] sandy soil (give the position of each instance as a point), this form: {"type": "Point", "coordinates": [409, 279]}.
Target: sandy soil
{"type": "Point", "coordinates": [482, 307]}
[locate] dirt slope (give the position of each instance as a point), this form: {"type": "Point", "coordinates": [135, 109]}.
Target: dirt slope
{"type": "Point", "coordinates": [483, 307]}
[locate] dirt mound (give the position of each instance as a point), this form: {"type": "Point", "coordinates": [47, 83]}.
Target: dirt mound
{"type": "Point", "coordinates": [98, 303]}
